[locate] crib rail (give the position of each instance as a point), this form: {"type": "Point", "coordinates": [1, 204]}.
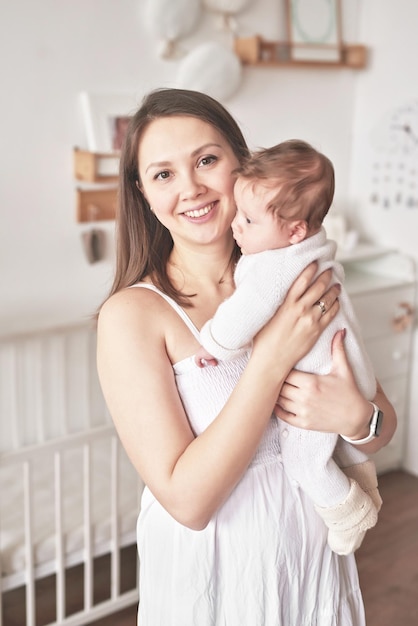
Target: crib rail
{"type": "Point", "coordinates": [49, 386]}
{"type": "Point", "coordinates": [23, 463]}
{"type": "Point", "coordinates": [55, 431]}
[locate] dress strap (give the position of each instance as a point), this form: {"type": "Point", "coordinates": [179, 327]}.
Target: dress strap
{"type": "Point", "coordinates": [181, 312]}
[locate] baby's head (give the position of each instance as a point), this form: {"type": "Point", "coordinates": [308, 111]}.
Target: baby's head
{"type": "Point", "coordinates": [290, 184]}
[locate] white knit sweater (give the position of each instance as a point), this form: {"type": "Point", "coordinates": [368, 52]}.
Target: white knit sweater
{"type": "Point", "coordinates": [262, 281]}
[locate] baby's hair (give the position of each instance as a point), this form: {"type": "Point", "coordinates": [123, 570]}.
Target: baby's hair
{"type": "Point", "coordinates": [304, 179]}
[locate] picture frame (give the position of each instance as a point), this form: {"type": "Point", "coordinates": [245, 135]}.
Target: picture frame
{"type": "Point", "coordinates": [314, 30]}
{"type": "Point", "coordinates": [106, 117]}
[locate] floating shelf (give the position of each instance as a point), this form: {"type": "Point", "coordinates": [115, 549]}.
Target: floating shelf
{"type": "Point", "coordinates": [96, 205]}
{"type": "Point", "coordinates": [257, 51]}
{"type": "Point", "coordinates": [96, 167]}
{"type": "Point", "coordinates": [96, 199]}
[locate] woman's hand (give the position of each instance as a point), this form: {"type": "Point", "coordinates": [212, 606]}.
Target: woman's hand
{"type": "Point", "coordinates": [307, 309]}
{"type": "Point", "coordinates": [333, 402]}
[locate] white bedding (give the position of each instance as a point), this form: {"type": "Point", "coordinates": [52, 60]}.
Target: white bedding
{"type": "Point", "coordinates": [12, 546]}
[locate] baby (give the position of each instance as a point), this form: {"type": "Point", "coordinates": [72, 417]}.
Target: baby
{"type": "Point", "coordinates": [283, 194]}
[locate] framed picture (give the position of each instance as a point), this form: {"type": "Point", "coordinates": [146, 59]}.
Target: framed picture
{"type": "Point", "coordinates": [314, 29]}
{"type": "Point", "coordinates": [106, 118]}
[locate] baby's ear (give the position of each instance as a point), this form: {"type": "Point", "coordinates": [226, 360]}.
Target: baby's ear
{"type": "Point", "coordinates": [297, 231]}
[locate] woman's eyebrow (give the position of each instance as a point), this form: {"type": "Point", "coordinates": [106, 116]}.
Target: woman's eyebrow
{"type": "Point", "coordinates": [157, 164]}
{"type": "Point", "coordinates": [205, 147]}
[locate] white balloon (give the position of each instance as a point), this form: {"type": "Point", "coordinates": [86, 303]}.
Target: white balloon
{"type": "Point", "coordinates": [171, 19]}
{"type": "Point", "coordinates": [226, 6]}
{"type": "Point", "coordinates": [212, 69]}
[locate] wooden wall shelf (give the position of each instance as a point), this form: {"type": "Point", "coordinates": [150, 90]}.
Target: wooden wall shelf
{"type": "Point", "coordinates": [96, 205]}
{"type": "Point", "coordinates": [257, 51]}
{"type": "Point", "coordinates": [96, 167]}
{"type": "Point", "coordinates": [96, 197]}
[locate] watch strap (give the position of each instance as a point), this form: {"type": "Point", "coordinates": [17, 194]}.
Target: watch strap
{"type": "Point", "coordinates": [376, 421]}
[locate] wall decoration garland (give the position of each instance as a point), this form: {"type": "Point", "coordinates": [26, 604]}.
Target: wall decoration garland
{"type": "Point", "coordinates": [171, 20]}
{"type": "Point", "coordinates": [225, 11]}
{"type": "Point", "coordinates": [211, 67]}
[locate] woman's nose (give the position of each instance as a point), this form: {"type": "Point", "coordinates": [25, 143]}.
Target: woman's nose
{"type": "Point", "coordinates": [192, 186]}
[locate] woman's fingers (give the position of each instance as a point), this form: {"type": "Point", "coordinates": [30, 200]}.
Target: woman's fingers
{"type": "Point", "coordinates": [317, 295]}
{"type": "Point", "coordinates": [331, 305]}
{"type": "Point", "coordinates": [301, 285]}
{"type": "Point", "coordinates": [289, 393]}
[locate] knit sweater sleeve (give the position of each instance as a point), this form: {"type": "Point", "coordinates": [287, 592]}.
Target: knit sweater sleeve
{"type": "Point", "coordinates": [262, 281]}
{"type": "Point", "coordinates": [259, 291]}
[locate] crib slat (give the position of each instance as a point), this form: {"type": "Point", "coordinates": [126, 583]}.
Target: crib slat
{"type": "Point", "coordinates": [14, 409]}
{"type": "Point", "coordinates": [28, 521]}
{"type": "Point", "coordinates": [59, 540]}
{"type": "Point", "coordinates": [59, 363]}
{"type": "Point", "coordinates": [88, 548]}
{"type": "Point", "coordinates": [38, 401]}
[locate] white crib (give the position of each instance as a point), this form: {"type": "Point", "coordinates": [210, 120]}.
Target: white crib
{"type": "Point", "coordinates": [69, 495]}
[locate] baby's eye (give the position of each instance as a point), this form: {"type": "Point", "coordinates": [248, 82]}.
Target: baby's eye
{"type": "Point", "coordinates": [247, 219]}
{"type": "Point", "coordinates": [162, 175]}
{"type": "Point", "coordinates": [207, 160]}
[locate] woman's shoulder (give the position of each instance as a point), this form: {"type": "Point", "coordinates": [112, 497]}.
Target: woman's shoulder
{"type": "Point", "coordinates": [132, 305]}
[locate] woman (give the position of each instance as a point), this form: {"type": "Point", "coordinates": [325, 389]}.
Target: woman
{"type": "Point", "coordinates": [224, 538]}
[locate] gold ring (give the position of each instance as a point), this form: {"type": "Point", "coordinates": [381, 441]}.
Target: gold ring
{"type": "Point", "coordinates": [321, 305]}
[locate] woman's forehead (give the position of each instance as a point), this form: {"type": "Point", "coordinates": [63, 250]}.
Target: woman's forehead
{"type": "Point", "coordinates": [168, 137]}
{"type": "Point", "coordinates": [183, 125]}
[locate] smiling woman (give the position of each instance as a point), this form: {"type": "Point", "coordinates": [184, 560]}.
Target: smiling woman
{"type": "Point", "coordinates": [221, 525]}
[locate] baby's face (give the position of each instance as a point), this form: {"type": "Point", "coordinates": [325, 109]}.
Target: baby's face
{"type": "Point", "coordinates": [255, 228]}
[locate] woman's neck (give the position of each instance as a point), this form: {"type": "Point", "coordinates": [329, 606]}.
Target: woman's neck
{"type": "Point", "coordinates": [194, 270]}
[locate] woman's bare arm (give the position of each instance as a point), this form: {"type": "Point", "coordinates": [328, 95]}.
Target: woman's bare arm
{"type": "Point", "coordinates": [333, 402]}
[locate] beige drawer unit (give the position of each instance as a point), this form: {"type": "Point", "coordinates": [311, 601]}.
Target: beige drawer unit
{"type": "Point", "coordinates": [382, 287]}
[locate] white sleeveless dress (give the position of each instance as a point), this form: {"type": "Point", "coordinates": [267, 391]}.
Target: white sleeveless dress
{"type": "Point", "coordinates": [263, 560]}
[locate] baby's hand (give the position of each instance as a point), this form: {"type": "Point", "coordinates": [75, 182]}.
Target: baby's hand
{"type": "Point", "coordinates": [203, 358]}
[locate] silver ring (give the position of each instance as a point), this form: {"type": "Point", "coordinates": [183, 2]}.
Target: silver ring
{"type": "Point", "coordinates": [321, 305]}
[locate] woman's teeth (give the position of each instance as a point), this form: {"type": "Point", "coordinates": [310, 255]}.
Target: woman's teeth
{"type": "Point", "coordinates": [199, 212]}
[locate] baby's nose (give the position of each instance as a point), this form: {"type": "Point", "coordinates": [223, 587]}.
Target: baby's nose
{"type": "Point", "coordinates": [235, 224]}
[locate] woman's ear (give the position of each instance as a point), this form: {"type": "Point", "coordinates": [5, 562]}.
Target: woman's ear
{"type": "Point", "coordinates": [141, 189]}
{"type": "Point", "coordinates": [297, 231]}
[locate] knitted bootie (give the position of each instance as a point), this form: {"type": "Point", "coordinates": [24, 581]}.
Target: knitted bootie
{"type": "Point", "coordinates": [365, 475]}
{"type": "Point", "coordinates": [348, 522]}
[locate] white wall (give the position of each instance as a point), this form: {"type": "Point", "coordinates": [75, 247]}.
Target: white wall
{"type": "Point", "coordinates": [49, 52]}
{"type": "Point", "coordinates": [391, 81]}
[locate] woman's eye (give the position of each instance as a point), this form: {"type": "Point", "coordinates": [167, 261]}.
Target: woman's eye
{"type": "Point", "coordinates": [162, 175]}
{"type": "Point", "coordinates": [207, 160]}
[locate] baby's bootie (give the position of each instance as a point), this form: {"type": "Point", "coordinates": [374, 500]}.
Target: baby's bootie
{"type": "Point", "coordinates": [365, 475]}
{"type": "Point", "coordinates": [348, 521]}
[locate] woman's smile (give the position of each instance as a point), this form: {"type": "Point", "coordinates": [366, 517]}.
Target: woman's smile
{"type": "Point", "coordinates": [198, 213]}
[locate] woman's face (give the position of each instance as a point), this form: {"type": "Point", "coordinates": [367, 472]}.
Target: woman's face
{"type": "Point", "coordinates": [185, 169]}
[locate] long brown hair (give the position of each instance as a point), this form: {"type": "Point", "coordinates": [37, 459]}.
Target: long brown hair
{"type": "Point", "coordinates": [143, 244]}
